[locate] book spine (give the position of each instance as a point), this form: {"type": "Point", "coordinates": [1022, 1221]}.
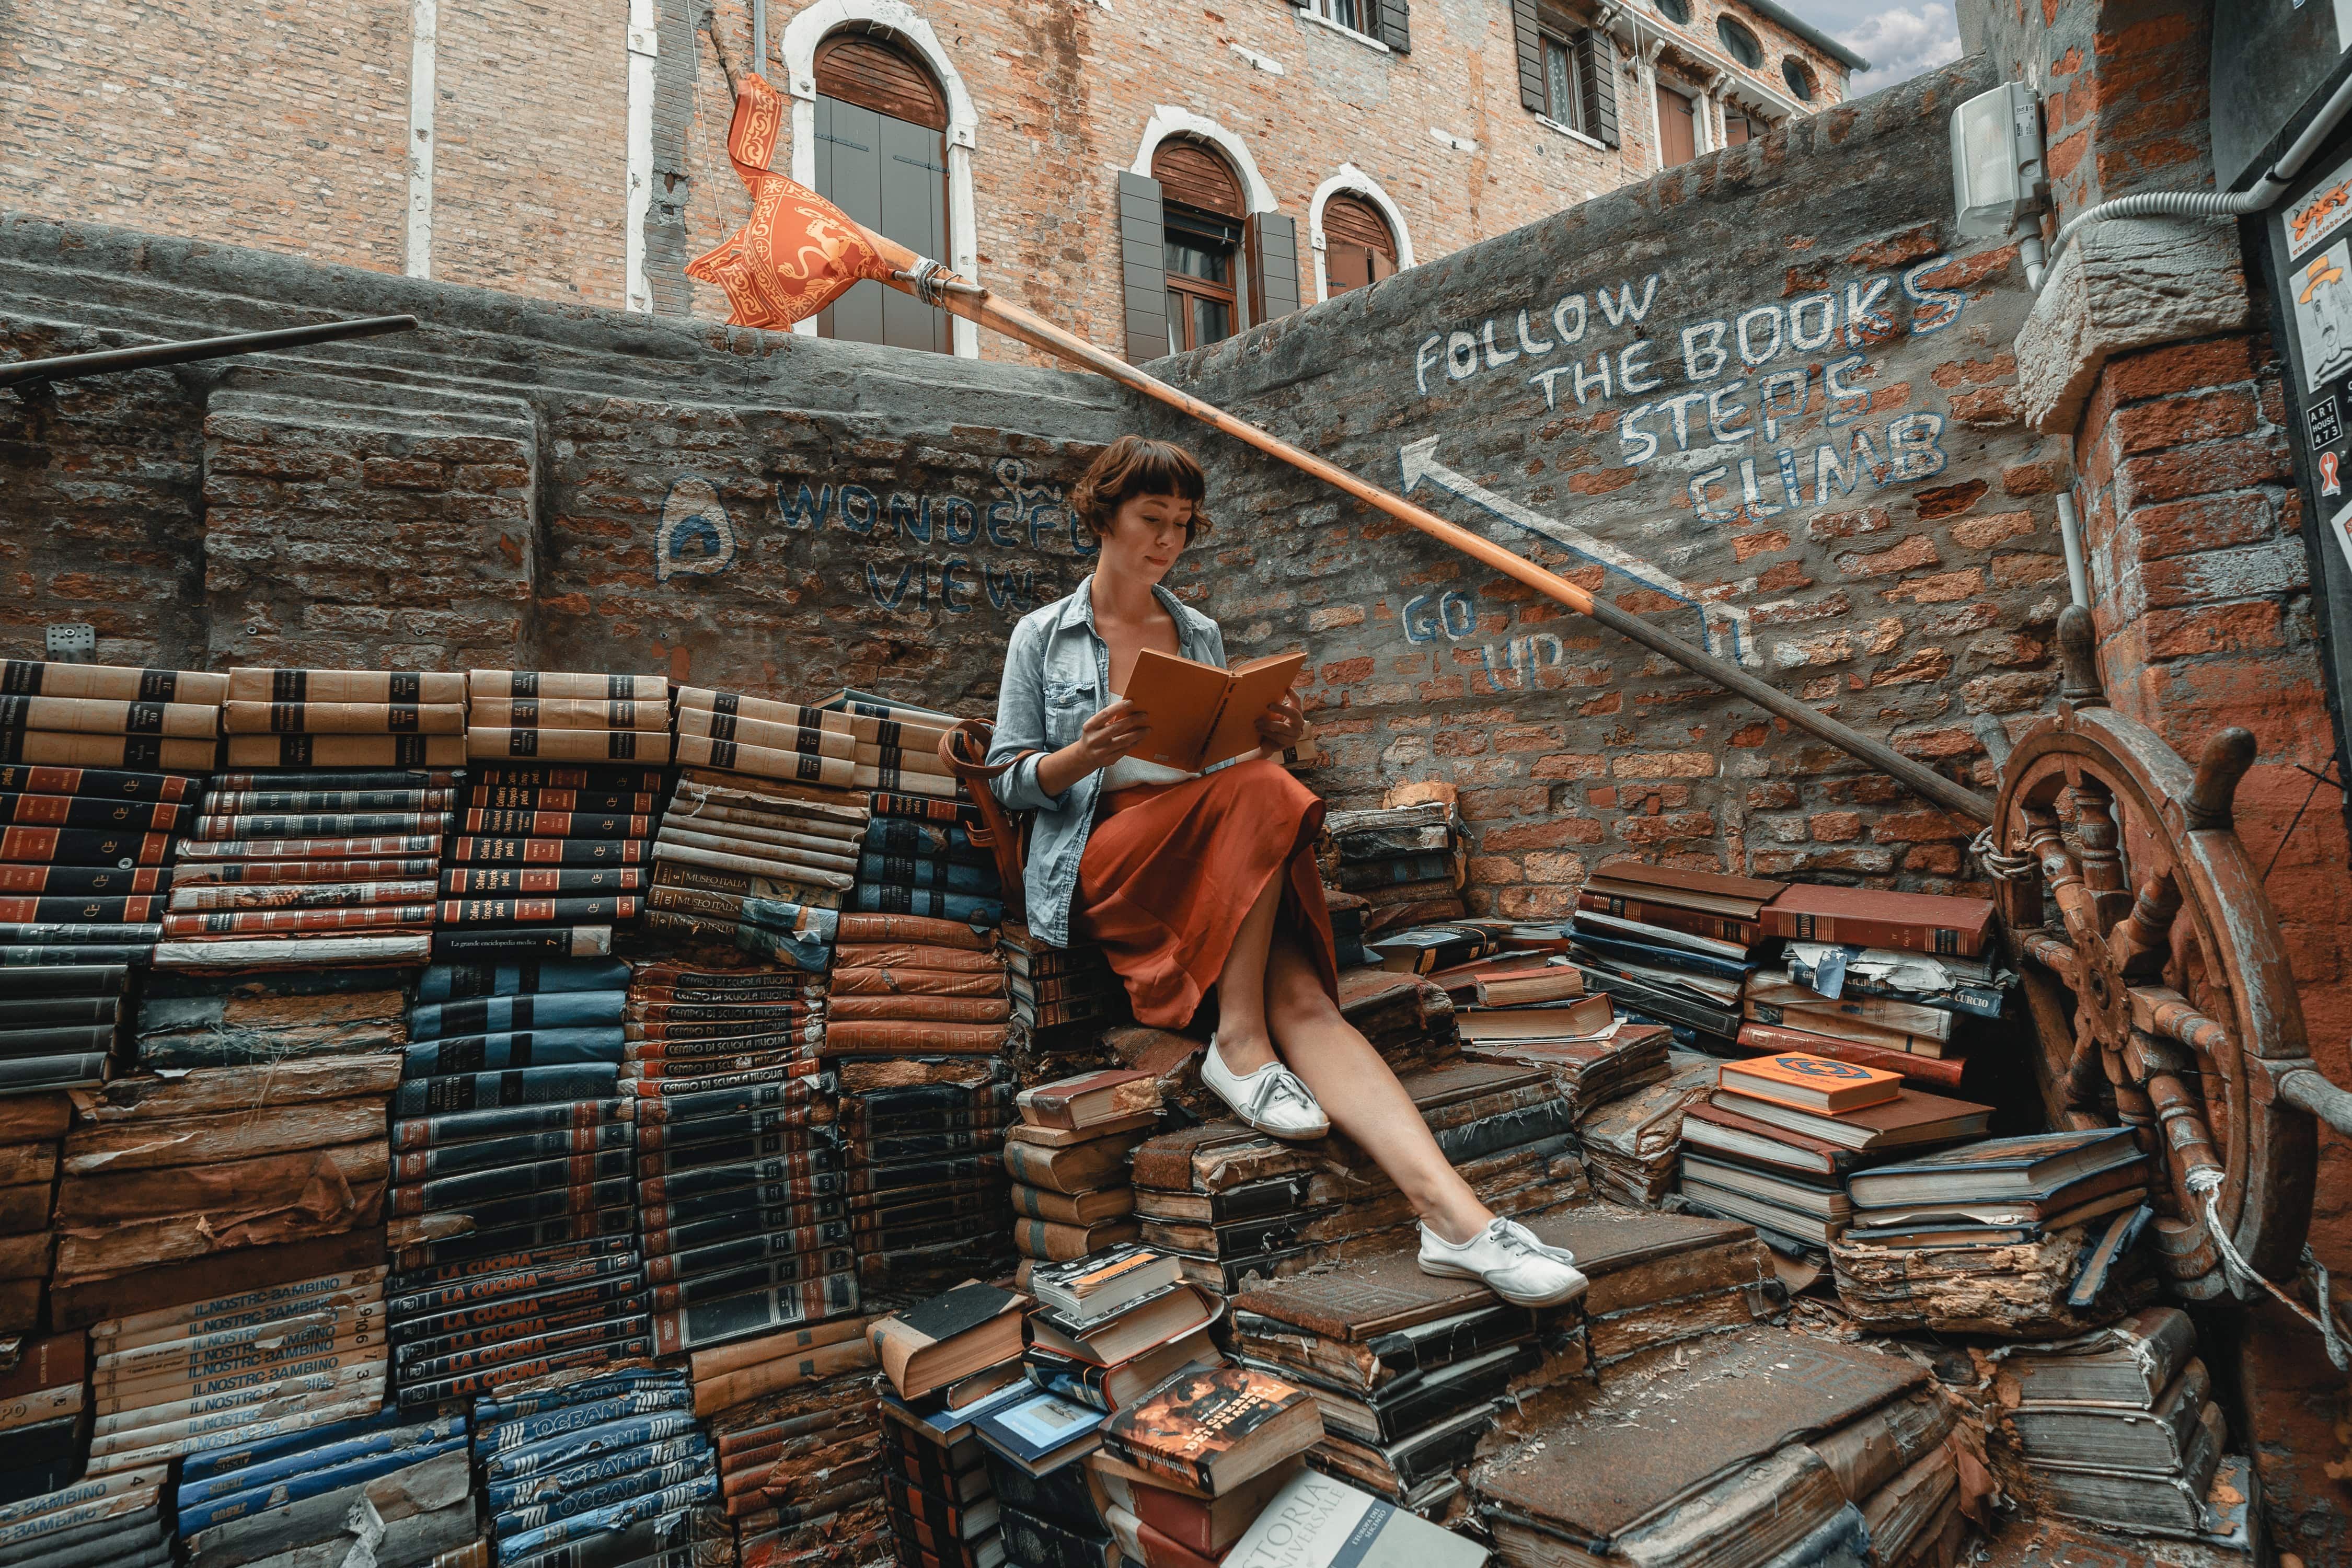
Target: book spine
{"type": "Point", "coordinates": [570, 713]}
{"type": "Point", "coordinates": [303, 781]}
{"type": "Point", "coordinates": [924, 808]}
{"type": "Point", "coordinates": [559, 824]}
{"type": "Point", "coordinates": [346, 686]}
{"type": "Point", "coordinates": [109, 682]}
{"type": "Point", "coordinates": [75, 845]}
{"type": "Point", "coordinates": [280, 802]}
{"type": "Point", "coordinates": [489, 851]}
{"type": "Point", "coordinates": [559, 776]}
{"type": "Point", "coordinates": [570, 745]}
{"type": "Point", "coordinates": [135, 908]}
{"type": "Point", "coordinates": [492, 1014]}
{"type": "Point", "coordinates": [345, 752]}
{"type": "Point", "coordinates": [101, 716]}
{"type": "Point", "coordinates": [424, 1396]}
{"type": "Point", "coordinates": [574, 685]}
{"type": "Point", "coordinates": [512, 880]}
{"type": "Point", "coordinates": [302, 873]}
{"type": "Point", "coordinates": [753, 1100]}
{"type": "Point", "coordinates": [500, 1052]}
{"type": "Point", "coordinates": [581, 1173]}
{"type": "Point", "coordinates": [1361, 875]}
{"type": "Point", "coordinates": [1669, 917]}
{"type": "Point", "coordinates": [541, 911]}
{"type": "Point", "coordinates": [297, 895]}
{"type": "Point", "coordinates": [905, 1038]}
{"type": "Point", "coordinates": [1940, 1074]}
{"type": "Point", "coordinates": [512, 1254]}
{"type": "Point", "coordinates": [393, 848]}
{"type": "Point", "coordinates": [252, 922]}
{"type": "Point", "coordinates": [973, 908]}
{"type": "Point", "coordinates": [525, 1086]}
{"type": "Point", "coordinates": [1869, 930]}
{"type": "Point", "coordinates": [80, 881]}
{"type": "Point", "coordinates": [562, 942]}
{"type": "Point", "coordinates": [97, 783]}
{"type": "Point", "coordinates": [89, 811]}
{"type": "Point", "coordinates": [242, 718]}
{"type": "Point", "coordinates": [948, 875]}
{"type": "Point", "coordinates": [609, 1295]}
{"type": "Point", "coordinates": [550, 1240]}
{"type": "Point", "coordinates": [350, 824]}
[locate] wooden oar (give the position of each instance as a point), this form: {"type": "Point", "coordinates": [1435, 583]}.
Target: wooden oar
{"type": "Point", "coordinates": [926, 279]}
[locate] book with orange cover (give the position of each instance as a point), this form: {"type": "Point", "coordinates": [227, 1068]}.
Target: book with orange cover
{"type": "Point", "coordinates": [1943, 1072]}
{"type": "Point", "coordinates": [1201, 715]}
{"type": "Point", "coordinates": [1916, 922]}
{"type": "Point", "coordinates": [1811, 1083]}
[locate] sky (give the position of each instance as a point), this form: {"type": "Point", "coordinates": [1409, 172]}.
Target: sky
{"type": "Point", "coordinates": [1899, 41]}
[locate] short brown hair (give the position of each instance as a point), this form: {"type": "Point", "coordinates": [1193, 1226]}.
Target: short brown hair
{"type": "Point", "coordinates": [1137, 466]}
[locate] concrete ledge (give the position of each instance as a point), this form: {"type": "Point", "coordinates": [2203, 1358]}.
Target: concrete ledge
{"type": "Point", "coordinates": [2135, 283]}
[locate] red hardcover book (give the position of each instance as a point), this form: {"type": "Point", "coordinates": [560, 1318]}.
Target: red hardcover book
{"type": "Point", "coordinates": [257, 922]}
{"type": "Point", "coordinates": [548, 851]}
{"type": "Point", "coordinates": [1931, 1072]}
{"type": "Point", "coordinates": [543, 881]}
{"type": "Point", "coordinates": [1916, 922]}
{"type": "Point", "coordinates": [913, 1039]}
{"type": "Point", "coordinates": [539, 911]}
{"type": "Point", "coordinates": [136, 908]}
{"type": "Point", "coordinates": [83, 811]}
{"type": "Point", "coordinates": [1691, 922]}
{"type": "Point", "coordinates": [920, 930]}
{"type": "Point", "coordinates": [69, 880]}
{"type": "Point", "coordinates": [104, 784]}
{"type": "Point", "coordinates": [559, 824]}
{"type": "Point", "coordinates": [43, 844]}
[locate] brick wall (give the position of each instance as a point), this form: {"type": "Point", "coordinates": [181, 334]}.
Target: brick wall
{"type": "Point", "coordinates": [287, 127]}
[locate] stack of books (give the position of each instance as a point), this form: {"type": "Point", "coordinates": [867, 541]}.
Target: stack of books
{"type": "Point", "coordinates": [43, 1416]}
{"type": "Point", "coordinates": [238, 1149]}
{"type": "Point", "coordinates": [116, 1523]}
{"type": "Point", "coordinates": [1764, 1445]}
{"type": "Point", "coordinates": [335, 718]}
{"type": "Point", "coordinates": [1775, 1142]}
{"type": "Point", "coordinates": [515, 1160]}
{"type": "Point", "coordinates": [1405, 861]}
{"type": "Point", "coordinates": [31, 1127]}
{"type": "Point", "coordinates": [952, 1361]}
{"type": "Point", "coordinates": [1631, 1141]}
{"type": "Point", "coordinates": [2049, 1218]}
{"type": "Point", "coordinates": [85, 880]}
{"type": "Point", "coordinates": [740, 1153]}
{"type": "Point", "coordinates": [913, 985]}
{"type": "Point", "coordinates": [61, 1024]}
{"type": "Point", "coordinates": [1349, 912]}
{"type": "Point", "coordinates": [849, 740]}
{"type": "Point", "coordinates": [1210, 1433]}
{"type": "Point", "coordinates": [1063, 997]}
{"type": "Point", "coordinates": [2119, 1428]}
{"type": "Point", "coordinates": [1671, 944]}
{"type": "Point", "coordinates": [1231, 1204]}
{"type": "Point", "coordinates": [1068, 1159]}
{"type": "Point", "coordinates": [796, 1433]}
{"type": "Point", "coordinates": [931, 1208]}
{"type": "Point", "coordinates": [77, 716]}
{"type": "Point", "coordinates": [258, 1363]}
{"type": "Point", "coordinates": [570, 1462]}
{"type": "Point", "coordinates": [298, 1493]}
{"type": "Point", "coordinates": [1621, 1060]}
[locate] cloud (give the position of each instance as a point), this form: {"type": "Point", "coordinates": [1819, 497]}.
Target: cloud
{"type": "Point", "coordinates": [1902, 41]}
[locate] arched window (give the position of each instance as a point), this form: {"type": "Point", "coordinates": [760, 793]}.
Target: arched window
{"type": "Point", "coordinates": [1800, 78]}
{"type": "Point", "coordinates": [1202, 213]}
{"type": "Point", "coordinates": [881, 157]}
{"type": "Point", "coordinates": [1739, 42]}
{"type": "Point", "coordinates": [1357, 247]}
{"type": "Point", "coordinates": [1675, 11]}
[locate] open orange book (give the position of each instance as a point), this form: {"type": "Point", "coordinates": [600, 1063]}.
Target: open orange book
{"type": "Point", "coordinates": [1201, 715]}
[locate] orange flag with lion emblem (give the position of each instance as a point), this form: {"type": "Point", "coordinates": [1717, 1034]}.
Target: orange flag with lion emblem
{"type": "Point", "coordinates": [797, 253]}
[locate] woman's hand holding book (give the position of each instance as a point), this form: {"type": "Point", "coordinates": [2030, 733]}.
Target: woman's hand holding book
{"type": "Point", "coordinates": [1282, 726]}
{"type": "Point", "coordinates": [1102, 741]}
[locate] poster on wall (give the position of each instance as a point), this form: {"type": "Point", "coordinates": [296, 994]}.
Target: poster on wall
{"type": "Point", "coordinates": [2309, 236]}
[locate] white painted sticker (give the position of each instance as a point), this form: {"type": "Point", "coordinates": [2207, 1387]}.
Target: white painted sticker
{"type": "Point", "coordinates": [2328, 208]}
{"type": "Point", "coordinates": [2322, 292]}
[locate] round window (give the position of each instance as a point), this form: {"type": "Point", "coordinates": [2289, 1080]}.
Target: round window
{"type": "Point", "coordinates": [1800, 78]}
{"type": "Point", "coordinates": [1675, 11]}
{"type": "Point", "coordinates": [1739, 41]}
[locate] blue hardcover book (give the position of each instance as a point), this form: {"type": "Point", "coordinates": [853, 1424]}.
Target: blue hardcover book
{"type": "Point", "coordinates": [197, 1466]}
{"type": "Point", "coordinates": [466, 1127]}
{"type": "Point", "coordinates": [299, 1458]}
{"type": "Point", "coordinates": [924, 871]}
{"type": "Point", "coordinates": [654, 1542]}
{"type": "Point", "coordinates": [483, 1091]}
{"type": "Point", "coordinates": [579, 1445]}
{"type": "Point", "coordinates": [502, 1424]}
{"type": "Point", "coordinates": [930, 903]}
{"type": "Point", "coordinates": [686, 1447]}
{"type": "Point", "coordinates": [526, 1048]}
{"type": "Point", "coordinates": [307, 1483]}
{"type": "Point", "coordinates": [1040, 1431]}
{"type": "Point", "coordinates": [905, 835]}
{"type": "Point", "coordinates": [455, 982]}
{"type": "Point", "coordinates": [586, 1526]}
{"type": "Point", "coordinates": [499, 1014]}
{"type": "Point", "coordinates": [1665, 957]}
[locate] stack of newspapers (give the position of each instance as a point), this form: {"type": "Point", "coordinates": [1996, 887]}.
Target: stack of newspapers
{"type": "Point", "coordinates": [382, 1488]}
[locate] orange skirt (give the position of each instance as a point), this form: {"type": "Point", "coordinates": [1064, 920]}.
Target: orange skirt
{"type": "Point", "coordinates": [1172, 870]}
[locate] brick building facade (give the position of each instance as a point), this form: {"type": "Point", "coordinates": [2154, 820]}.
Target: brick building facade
{"type": "Point", "coordinates": [575, 152]}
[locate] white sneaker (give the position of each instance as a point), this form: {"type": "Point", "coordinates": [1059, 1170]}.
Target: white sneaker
{"type": "Point", "coordinates": [1509, 1260]}
{"type": "Point", "coordinates": [1271, 1099]}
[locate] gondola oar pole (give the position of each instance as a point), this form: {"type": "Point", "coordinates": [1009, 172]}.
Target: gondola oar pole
{"type": "Point", "coordinates": [145, 356]}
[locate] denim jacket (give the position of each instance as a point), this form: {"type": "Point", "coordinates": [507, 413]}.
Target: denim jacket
{"type": "Point", "coordinates": [1056, 676]}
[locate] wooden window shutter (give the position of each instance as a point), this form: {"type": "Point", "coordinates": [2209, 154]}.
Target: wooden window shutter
{"type": "Point", "coordinates": [1528, 40]}
{"type": "Point", "coordinates": [1143, 266]}
{"type": "Point", "coordinates": [1391, 25]}
{"type": "Point", "coordinates": [1596, 70]}
{"type": "Point", "coordinates": [1271, 243]}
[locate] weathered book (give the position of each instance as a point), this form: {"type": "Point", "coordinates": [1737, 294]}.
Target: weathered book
{"type": "Point", "coordinates": [905, 835]}
{"type": "Point", "coordinates": [248, 684]}
{"type": "Point", "coordinates": [225, 1193]}
{"type": "Point", "coordinates": [2156, 1438]}
{"type": "Point", "coordinates": [570, 745]}
{"type": "Point", "coordinates": [272, 873]}
{"type": "Point", "coordinates": [570, 684]}
{"type": "Point", "coordinates": [488, 851]}
{"type": "Point", "coordinates": [539, 911]}
{"type": "Point", "coordinates": [872, 767]}
{"type": "Point", "coordinates": [521, 824]}
{"type": "Point", "coordinates": [133, 909]}
{"type": "Point", "coordinates": [391, 847]}
{"type": "Point", "coordinates": [103, 716]}
{"type": "Point", "coordinates": [579, 1175]}
{"type": "Point", "coordinates": [513, 977]}
{"type": "Point", "coordinates": [202, 1139]}
{"type": "Point", "coordinates": [56, 1040]}
{"type": "Point", "coordinates": [1741, 932]}
{"type": "Point", "coordinates": [196, 925]}
{"type": "Point", "coordinates": [500, 943]}
{"type": "Point", "coordinates": [491, 1014]}
{"type": "Point", "coordinates": [891, 898]}
{"type": "Point", "coordinates": [31, 1075]}
{"type": "Point", "coordinates": [1915, 922]}
{"type": "Point", "coordinates": [913, 1039]}
{"type": "Point", "coordinates": [951, 876]}
{"type": "Point", "coordinates": [211, 896]}
{"type": "Point", "coordinates": [192, 1287]}
{"type": "Point", "coordinates": [520, 1087]}
{"type": "Point", "coordinates": [919, 1009]}
{"type": "Point", "coordinates": [751, 1100]}
{"type": "Point", "coordinates": [525, 1248]}
{"type": "Point", "coordinates": [50, 748]}
{"type": "Point", "coordinates": [882, 726]}
{"type": "Point", "coordinates": [674, 849]}
{"type": "Point", "coordinates": [345, 824]}
{"type": "Point", "coordinates": [85, 846]}
{"type": "Point", "coordinates": [2124, 1367]}
{"type": "Point", "coordinates": [766, 1311]}
{"type": "Point", "coordinates": [781, 840]}
{"type": "Point", "coordinates": [70, 933]}
{"type": "Point", "coordinates": [379, 750]}
{"type": "Point", "coordinates": [1213, 1428]}
{"type": "Point", "coordinates": [570, 713]}
{"type": "Point", "coordinates": [1052, 1242]}
{"type": "Point", "coordinates": [517, 881]}
{"type": "Point", "coordinates": [2171, 1502]}
{"type": "Point", "coordinates": [81, 881]}
{"type": "Point", "coordinates": [115, 816]}
{"type": "Point", "coordinates": [344, 717]}
{"type": "Point", "coordinates": [109, 682]}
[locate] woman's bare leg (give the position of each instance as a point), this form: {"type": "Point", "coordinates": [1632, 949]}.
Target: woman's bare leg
{"type": "Point", "coordinates": [1360, 1095]}
{"type": "Point", "coordinates": [1243, 1043]}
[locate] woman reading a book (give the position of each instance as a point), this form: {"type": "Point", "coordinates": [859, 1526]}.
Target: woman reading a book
{"type": "Point", "coordinates": [1190, 882]}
